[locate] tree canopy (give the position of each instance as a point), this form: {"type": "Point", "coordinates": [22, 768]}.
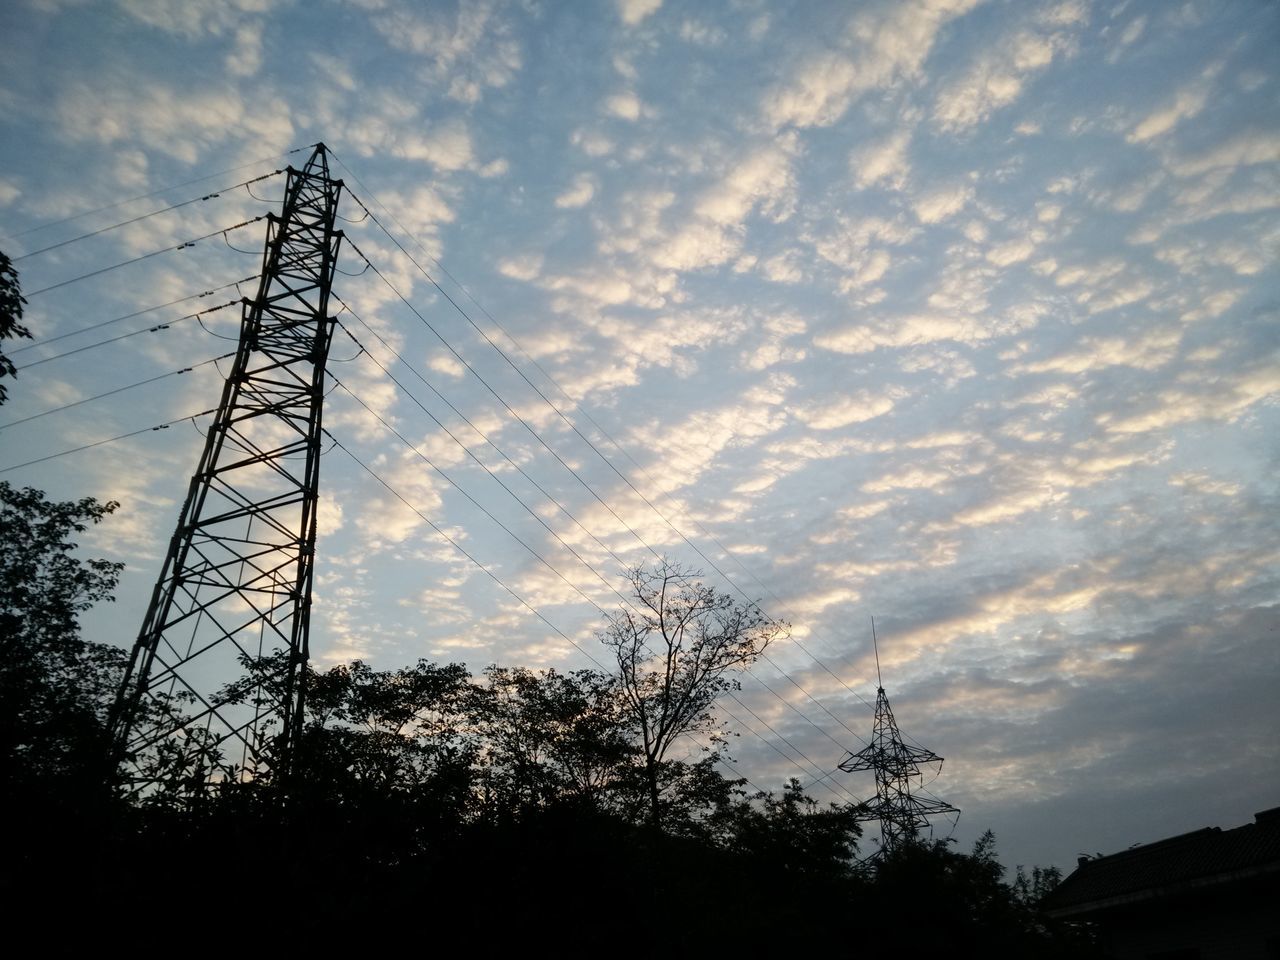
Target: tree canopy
{"type": "Point", "coordinates": [11, 304]}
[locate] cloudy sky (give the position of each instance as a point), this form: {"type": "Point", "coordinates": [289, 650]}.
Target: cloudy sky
{"type": "Point", "coordinates": [958, 314]}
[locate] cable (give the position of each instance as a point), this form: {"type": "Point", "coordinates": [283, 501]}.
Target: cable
{"type": "Point", "coordinates": [563, 393]}
{"type": "Point", "coordinates": [133, 333]}
{"type": "Point", "coordinates": [514, 496]}
{"type": "Point", "coordinates": [146, 256]}
{"type": "Point", "coordinates": [452, 542]}
{"type": "Point", "coordinates": [546, 446]}
{"type": "Point", "coordinates": [111, 393]}
{"type": "Point", "coordinates": [457, 546]}
{"type": "Point", "coordinates": [496, 395]}
{"type": "Point", "coordinates": [770, 728]}
{"type": "Point", "coordinates": [457, 486]}
{"type": "Point", "coordinates": [480, 433]}
{"type": "Point", "coordinates": [98, 443]}
{"type": "Point", "coordinates": [572, 426]}
{"type": "Point", "coordinates": [585, 439]}
{"type": "Point", "coordinates": [129, 316]}
{"type": "Point", "coordinates": [145, 196]}
{"type": "Point", "coordinates": [144, 216]}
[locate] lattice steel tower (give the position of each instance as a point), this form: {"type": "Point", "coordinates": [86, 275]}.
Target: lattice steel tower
{"type": "Point", "coordinates": [899, 769]}
{"type": "Point", "coordinates": [213, 690]}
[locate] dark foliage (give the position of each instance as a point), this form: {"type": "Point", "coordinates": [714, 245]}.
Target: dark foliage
{"type": "Point", "coordinates": [516, 807]}
{"type": "Point", "coordinates": [11, 304]}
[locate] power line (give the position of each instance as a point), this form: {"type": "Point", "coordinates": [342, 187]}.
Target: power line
{"type": "Point", "coordinates": [129, 316]}
{"type": "Point", "coordinates": [146, 196]}
{"type": "Point", "coordinates": [496, 395]}
{"type": "Point", "coordinates": [111, 393]}
{"type": "Point", "coordinates": [145, 216]}
{"type": "Point", "coordinates": [480, 433]}
{"type": "Point", "coordinates": [575, 429]}
{"type": "Point", "coordinates": [462, 550]}
{"type": "Point", "coordinates": [467, 450]}
{"type": "Point", "coordinates": [476, 503]}
{"type": "Point", "coordinates": [792, 707]}
{"type": "Point", "coordinates": [99, 443]}
{"type": "Point", "coordinates": [531, 512]}
{"type": "Point", "coordinates": [146, 256]}
{"type": "Point", "coordinates": [126, 336]}
{"type": "Point", "coordinates": [500, 582]}
{"type": "Point", "coordinates": [539, 438]}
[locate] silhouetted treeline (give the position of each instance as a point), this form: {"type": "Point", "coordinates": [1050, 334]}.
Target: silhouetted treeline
{"type": "Point", "coordinates": [426, 806]}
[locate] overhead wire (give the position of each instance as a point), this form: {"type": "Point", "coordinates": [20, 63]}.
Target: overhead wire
{"type": "Point", "coordinates": [381, 275]}
{"type": "Point", "coordinates": [412, 368]}
{"type": "Point", "coordinates": [157, 191]}
{"type": "Point", "coordinates": [500, 582]}
{"type": "Point", "coordinates": [133, 333]}
{"type": "Point", "coordinates": [128, 316]}
{"type": "Point", "coordinates": [587, 440]}
{"type": "Point", "coordinates": [476, 503]}
{"type": "Point", "coordinates": [112, 393]}
{"type": "Point", "coordinates": [99, 443]}
{"type": "Point", "coordinates": [145, 216]}
{"type": "Point", "coordinates": [496, 395]}
{"type": "Point", "coordinates": [146, 256]}
{"type": "Point", "coordinates": [457, 546]}
{"type": "Point", "coordinates": [467, 450]}
{"type": "Point", "coordinates": [576, 430]}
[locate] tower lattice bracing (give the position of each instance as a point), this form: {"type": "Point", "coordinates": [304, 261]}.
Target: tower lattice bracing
{"type": "Point", "coordinates": [213, 691]}
{"type": "Point", "coordinates": [898, 769]}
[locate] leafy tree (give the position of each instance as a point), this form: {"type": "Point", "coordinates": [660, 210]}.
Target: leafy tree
{"type": "Point", "coordinates": [677, 645]}
{"type": "Point", "coordinates": [11, 304]}
{"type": "Point", "coordinates": [555, 737]}
{"type": "Point", "coordinates": [55, 687]}
{"type": "Point", "coordinates": [793, 834]}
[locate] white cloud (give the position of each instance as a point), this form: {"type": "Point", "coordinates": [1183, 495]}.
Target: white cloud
{"type": "Point", "coordinates": [880, 46]}
{"type": "Point", "coordinates": [524, 267]}
{"type": "Point", "coordinates": [998, 76]}
{"type": "Point", "coordinates": [626, 106]}
{"type": "Point", "coordinates": [943, 202]}
{"type": "Point", "coordinates": [884, 160]}
{"type": "Point", "coordinates": [466, 53]}
{"type": "Point", "coordinates": [633, 11]}
{"type": "Point", "coordinates": [246, 59]}
{"type": "Point", "coordinates": [1186, 104]}
{"type": "Point", "coordinates": [1242, 150]}
{"type": "Point", "coordinates": [833, 414]}
{"type": "Point", "coordinates": [579, 193]}
{"type": "Point", "coordinates": [592, 142]}
{"type": "Point", "coordinates": [1011, 251]}
{"type": "Point", "coordinates": [703, 34]}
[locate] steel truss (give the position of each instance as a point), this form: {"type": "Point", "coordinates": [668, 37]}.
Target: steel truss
{"type": "Point", "coordinates": [213, 692]}
{"type": "Point", "coordinates": [898, 769]}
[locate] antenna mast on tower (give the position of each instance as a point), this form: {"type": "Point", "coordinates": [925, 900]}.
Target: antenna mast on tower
{"type": "Point", "coordinates": [898, 769]}
{"type": "Point", "coordinates": [213, 691]}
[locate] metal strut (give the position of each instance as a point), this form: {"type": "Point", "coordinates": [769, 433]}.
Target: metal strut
{"type": "Point", "coordinates": [213, 691]}
{"type": "Point", "coordinates": [898, 769]}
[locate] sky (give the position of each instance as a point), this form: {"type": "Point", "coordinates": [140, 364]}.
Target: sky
{"type": "Point", "coordinates": [960, 315]}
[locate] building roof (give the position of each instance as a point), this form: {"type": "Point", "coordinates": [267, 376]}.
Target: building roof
{"type": "Point", "coordinates": [1203, 858]}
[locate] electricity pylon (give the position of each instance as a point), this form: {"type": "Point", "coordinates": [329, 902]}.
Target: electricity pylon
{"type": "Point", "coordinates": [213, 691]}
{"type": "Point", "coordinates": [898, 769]}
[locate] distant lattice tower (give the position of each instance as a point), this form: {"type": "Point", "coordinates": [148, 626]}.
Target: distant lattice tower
{"type": "Point", "coordinates": [899, 769]}
{"type": "Point", "coordinates": [213, 691]}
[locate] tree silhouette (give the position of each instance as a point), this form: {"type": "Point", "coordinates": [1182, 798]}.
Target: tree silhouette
{"type": "Point", "coordinates": [11, 304]}
{"type": "Point", "coordinates": [677, 645]}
